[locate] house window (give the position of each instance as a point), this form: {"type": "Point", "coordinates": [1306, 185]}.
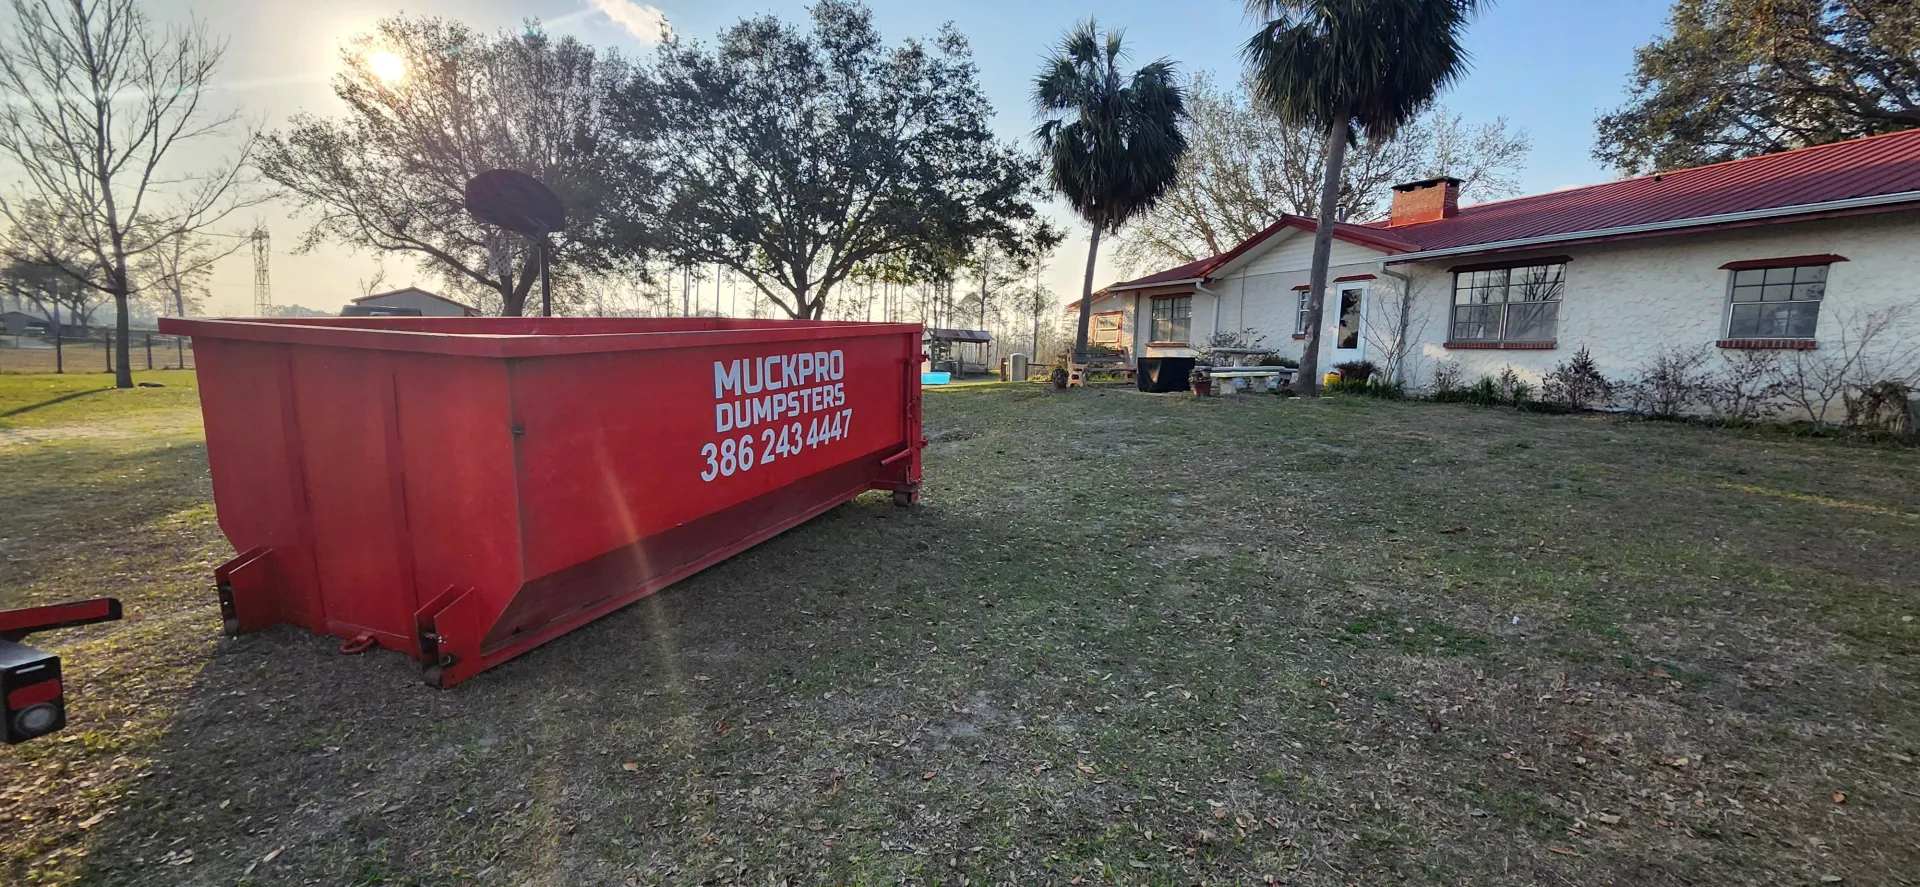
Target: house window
{"type": "Point", "coordinates": [1508, 304]}
{"type": "Point", "coordinates": [1775, 303]}
{"type": "Point", "coordinates": [1300, 316]}
{"type": "Point", "coordinates": [1172, 318]}
{"type": "Point", "coordinates": [1106, 328]}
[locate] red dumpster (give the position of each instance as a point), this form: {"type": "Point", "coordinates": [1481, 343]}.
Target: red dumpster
{"type": "Point", "coordinates": [465, 489]}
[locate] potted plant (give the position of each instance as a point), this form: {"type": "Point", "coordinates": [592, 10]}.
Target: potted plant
{"type": "Point", "coordinates": [1059, 378]}
{"type": "Point", "coordinates": [1201, 381]}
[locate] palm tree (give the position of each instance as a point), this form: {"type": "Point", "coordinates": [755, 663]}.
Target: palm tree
{"type": "Point", "coordinates": [1348, 67]}
{"type": "Point", "coordinates": [1111, 143]}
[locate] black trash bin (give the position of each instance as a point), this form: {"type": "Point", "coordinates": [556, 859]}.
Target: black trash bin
{"type": "Point", "coordinates": [1162, 374]}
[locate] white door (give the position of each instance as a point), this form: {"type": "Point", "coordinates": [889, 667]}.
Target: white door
{"type": "Point", "coordinates": [1346, 332]}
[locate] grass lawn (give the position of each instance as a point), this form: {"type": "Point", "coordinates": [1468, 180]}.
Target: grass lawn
{"type": "Point", "coordinates": [1126, 639]}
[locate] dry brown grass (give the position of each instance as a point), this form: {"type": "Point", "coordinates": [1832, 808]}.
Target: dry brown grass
{"type": "Point", "coordinates": [1127, 639]}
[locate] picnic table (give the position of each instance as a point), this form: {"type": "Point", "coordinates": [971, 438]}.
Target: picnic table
{"type": "Point", "coordinates": [1240, 373]}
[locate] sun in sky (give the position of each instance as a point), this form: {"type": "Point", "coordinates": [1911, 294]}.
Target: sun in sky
{"type": "Point", "coordinates": [386, 66]}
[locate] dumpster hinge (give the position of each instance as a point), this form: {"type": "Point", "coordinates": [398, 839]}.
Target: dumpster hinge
{"type": "Point", "coordinates": [449, 634]}
{"type": "Point", "coordinates": [245, 587]}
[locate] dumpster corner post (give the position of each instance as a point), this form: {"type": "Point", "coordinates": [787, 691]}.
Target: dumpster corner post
{"type": "Point", "coordinates": [449, 633]}
{"type": "Point", "coordinates": [248, 599]}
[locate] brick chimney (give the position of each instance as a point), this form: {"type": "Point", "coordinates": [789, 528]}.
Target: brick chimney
{"type": "Point", "coordinates": [1428, 200]}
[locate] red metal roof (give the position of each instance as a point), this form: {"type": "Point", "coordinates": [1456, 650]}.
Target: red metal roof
{"type": "Point", "coordinates": [1189, 271]}
{"type": "Point", "coordinates": [1869, 167]}
{"type": "Point", "coordinates": [1351, 233]}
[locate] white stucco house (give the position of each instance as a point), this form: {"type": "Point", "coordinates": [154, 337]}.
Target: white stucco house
{"type": "Point", "coordinates": [412, 297]}
{"type": "Point", "coordinates": [1782, 252]}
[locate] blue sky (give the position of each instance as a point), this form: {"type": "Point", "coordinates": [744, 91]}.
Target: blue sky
{"type": "Point", "coordinates": [1549, 66]}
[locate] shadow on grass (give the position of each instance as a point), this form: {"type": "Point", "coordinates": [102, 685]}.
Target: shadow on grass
{"type": "Point", "coordinates": [365, 775]}
{"type": "Point", "coordinates": [51, 401]}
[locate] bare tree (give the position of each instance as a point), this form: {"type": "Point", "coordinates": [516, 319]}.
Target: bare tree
{"type": "Point", "coordinates": [1397, 321]}
{"type": "Point", "coordinates": [177, 273]}
{"type": "Point", "coordinates": [431, 103]}
{"type": "Point", "coordinates": [1866, 348]}
{"type": "Point", "coordinates": [99, 107]}
{"type": "Point", "coordinates": [1245, 168]}
{"type": "Point", "coordinates": [371, 285]}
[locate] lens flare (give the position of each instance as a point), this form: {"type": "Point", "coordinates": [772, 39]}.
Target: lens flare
{"type": "Point", "coordinates": [386, 66]}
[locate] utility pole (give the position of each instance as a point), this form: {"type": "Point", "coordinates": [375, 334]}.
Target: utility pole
{"type": "Point", "coordinates": [262, 284]}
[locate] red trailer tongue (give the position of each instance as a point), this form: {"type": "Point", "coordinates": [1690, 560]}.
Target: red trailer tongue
{"type": "Point", "coordinates": [465, 489]}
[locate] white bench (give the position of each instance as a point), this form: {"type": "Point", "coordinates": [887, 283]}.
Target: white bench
{"type": "Point", "coordinates": [1229, 375]}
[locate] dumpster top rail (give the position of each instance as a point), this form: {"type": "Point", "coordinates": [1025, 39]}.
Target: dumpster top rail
{"type": "Point", "coordinates": [523, 336]}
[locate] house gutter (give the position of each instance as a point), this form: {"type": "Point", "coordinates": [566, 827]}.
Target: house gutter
{"type": "Point", "coordinates": [1201, 286]}
{"type": "Point", "coordinates": [1850, 203]}
{"type": "Point", "coordinates": [1156, 284]}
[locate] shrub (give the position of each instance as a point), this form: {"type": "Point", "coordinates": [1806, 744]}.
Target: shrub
{"type": "Point", "coordinates": [1247, 338]}
{"type": "Point", "coordinates": [1367, 388]}
{"type": "Point", "coordinates": [1520, 395]}
{"type": "Point", "coordinates": [1485, 393]}
{"type": "Point", "coordinates": [1275, 360]}
{"type": "Point", "coordinates": [1577, 384]}
{"type": "Point", "coordinates": [1446, 377]}
{"type": "Point", "coordinates": [1670, 384]}
{"type": "Point", "coordinates": [1749, 390]}
{"type": "Point", "coordinates": [1356, 370]}
{"type": "Point", "coordinates": [1881, 407]}
{"type": "Point", "coordinates": [1506, 382]}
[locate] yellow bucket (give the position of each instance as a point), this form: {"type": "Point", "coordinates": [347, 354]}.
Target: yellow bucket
{"type": "Point", "coordinates": [1329, 378]}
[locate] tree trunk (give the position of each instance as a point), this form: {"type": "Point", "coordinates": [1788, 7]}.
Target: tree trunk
{"type": "Point", "coordinates": [1086, 299]}
{"type": "Point", "coordinates": [1309, 383]}
{"type": "Point", "coordinates": [513, 292]}
{"type": "Point", "coordinates": [987, 348]}
{"type": "Point", "coordinates": [122, 350]}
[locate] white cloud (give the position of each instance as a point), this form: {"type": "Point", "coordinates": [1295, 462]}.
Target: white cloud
{"type": "Point", "coordinates": [645, 23]}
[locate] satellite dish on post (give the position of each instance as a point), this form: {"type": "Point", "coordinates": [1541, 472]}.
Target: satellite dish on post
{"type": "Point", "coordinates": [518, 202]}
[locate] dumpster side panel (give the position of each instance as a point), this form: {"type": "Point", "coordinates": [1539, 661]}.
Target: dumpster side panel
{"type": "Point", "coordinates": [253, 452]}
{"type": "Point", "coordinates": [465, 492]}
{"type": "Point", "coordinates": [619, 502]}
{"type": "Point", "coordinates": [346, 410]}
{"type": "Point", "coordinates": [462, 512]}
{"type": "Point", "coordinates": [724, 425]}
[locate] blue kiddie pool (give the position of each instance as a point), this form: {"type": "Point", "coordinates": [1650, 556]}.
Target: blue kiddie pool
{"type": "Point", "coordinates": [935, 378]}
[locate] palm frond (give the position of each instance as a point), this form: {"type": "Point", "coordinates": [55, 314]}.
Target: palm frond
{"type": "Point", "coordinates": [1110, 142]}
{"type": "Point", "coordinates": [1380, 61]}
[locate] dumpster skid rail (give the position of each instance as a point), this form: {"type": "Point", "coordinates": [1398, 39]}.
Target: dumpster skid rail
{"type": "Point", "coordinates": [466, 489]}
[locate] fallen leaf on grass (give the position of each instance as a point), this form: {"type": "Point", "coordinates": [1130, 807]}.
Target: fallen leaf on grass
{"type": "Point", "coordinates": [93, 820]}
{"type": "Point", "coordinates": [274, 855]}
{"type": "Point", "coordinates": [1456, 528]}
{"type": "Point", "coordinates": [1083, 767]}
{"type": "Point", "coordinates": [1561, 850]}
{"type": "Point", "coordinates": [1607, 818]}
{"type": "Point", "coordinates": [929, 775]}
{"type": "Point", "coordinates": [630, 766]}
{"type": "Point", "coordinates": [1839, 797]}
